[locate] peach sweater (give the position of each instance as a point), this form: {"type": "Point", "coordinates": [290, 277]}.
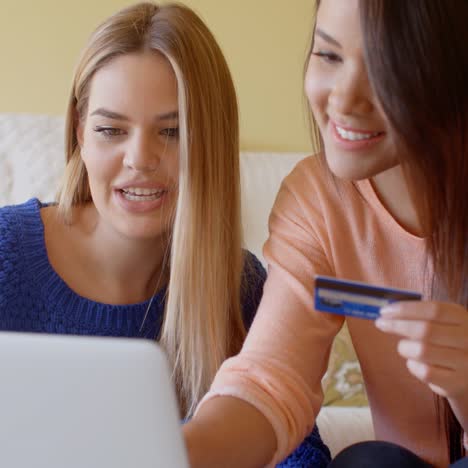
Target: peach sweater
{"type": "Point", "coordinates": [319, 226]}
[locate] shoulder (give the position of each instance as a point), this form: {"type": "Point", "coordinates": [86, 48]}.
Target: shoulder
{"type": "Point", "coordinates": [311, 199]}
{"type": "Point", "coordinates": [253, 279]}
{"type": "Point", "coordinates": [302, 187]}
{"type": "Point", "coordinates": [308, 185]}
{"type": "Point", "coordinates": [305, 208]}
{"type": "Point", "coordinates": [15, 219]}
{"type": "Point", "coordinates": [302, 200]}
{"type": "Point", "coordinates": [310, 171]}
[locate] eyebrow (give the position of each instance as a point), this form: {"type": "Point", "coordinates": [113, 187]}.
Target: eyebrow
{"type": "Point", "coordinates": [327, 38]}
{"type": "Point", "coordinates": [116, 116]}
{"type": "Point", "coordinates": [168, 115]}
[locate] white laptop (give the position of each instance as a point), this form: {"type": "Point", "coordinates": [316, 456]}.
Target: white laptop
{"type": "Point", "coordinates": [86, 402]}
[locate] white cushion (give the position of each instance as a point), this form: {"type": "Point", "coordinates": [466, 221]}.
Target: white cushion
{"type": "Point", "coordinates": [261, 176]}
{"type": "Point", "coordinates": [344, 426]}
{"type": "Point", "coordinates": [31, 156]}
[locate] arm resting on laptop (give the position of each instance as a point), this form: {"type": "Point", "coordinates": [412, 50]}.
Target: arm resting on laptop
{"type": "Point", "coordinates": [242, 437]}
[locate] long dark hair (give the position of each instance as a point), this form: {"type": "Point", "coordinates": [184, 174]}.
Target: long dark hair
{"type": "Point", "coordinates": [417, 61]}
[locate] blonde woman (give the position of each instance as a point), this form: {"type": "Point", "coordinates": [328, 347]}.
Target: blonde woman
{"type": "Point", "coordinates": [145, 238]}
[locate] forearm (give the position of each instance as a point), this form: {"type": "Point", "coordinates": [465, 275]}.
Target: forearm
{"type": "Point", "coordinates": [242, 437]}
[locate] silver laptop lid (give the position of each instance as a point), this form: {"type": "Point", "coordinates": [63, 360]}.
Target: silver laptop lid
{"type": "Point", "coordinates": [76, 402]}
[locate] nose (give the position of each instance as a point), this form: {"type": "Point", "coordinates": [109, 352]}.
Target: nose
{"type": "Point", "coordinates": [142, 154]}
{"type": "Point", "coordinates": [351, 93]}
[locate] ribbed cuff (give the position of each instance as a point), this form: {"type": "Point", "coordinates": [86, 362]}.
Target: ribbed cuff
{"type": "Point", "coordinates": [281, 451]}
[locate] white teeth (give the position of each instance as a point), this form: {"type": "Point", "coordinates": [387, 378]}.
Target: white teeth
{"type": "Point", "coordinates": [142, 191]}
{"type": "Point", "coordinates": [354, 136]}
{"type": "Point", "coordinates": [142, 194]}
{"type": "Point", "coordinates": [141, 198]}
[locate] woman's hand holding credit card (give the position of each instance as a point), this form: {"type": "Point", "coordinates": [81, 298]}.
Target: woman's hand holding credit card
{"type": "Point", "coordinates": [434, 335]}
{"type": "Point", "coordinates": [434, 342]}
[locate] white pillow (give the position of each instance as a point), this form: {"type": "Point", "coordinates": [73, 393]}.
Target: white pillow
{"type": "Point", "coordinates": [261, 176]}
{"type": "Point", "coordinates": [31, 156]}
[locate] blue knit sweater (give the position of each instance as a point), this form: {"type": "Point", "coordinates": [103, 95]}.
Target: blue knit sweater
{"type": "Point", "coordinates": [33, 298]}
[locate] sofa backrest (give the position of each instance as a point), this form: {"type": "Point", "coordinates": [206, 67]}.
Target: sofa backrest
{"type": "Point", "coordinates": [32, 162]}
{"type": "Point", "coordinates": [31, 156]}
{"type": "Point", "coordinates": [261, 176]}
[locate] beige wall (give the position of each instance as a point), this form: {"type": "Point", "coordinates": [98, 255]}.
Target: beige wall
{"type": "Point", "coordinates": [265, 42]}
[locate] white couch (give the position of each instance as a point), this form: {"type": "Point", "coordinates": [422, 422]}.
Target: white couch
{"type": "Point", "coordinates": [32, 160]}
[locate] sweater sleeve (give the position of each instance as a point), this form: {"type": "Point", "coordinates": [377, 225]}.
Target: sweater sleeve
{"type": "Point", "coordinates": [10, 261]}
{"type": "Point", "coordinates": [253, 280]}
{"type": "Point", "coordinates": [285, 355]}
{"type": "Point", "coordinates": [312, 453]}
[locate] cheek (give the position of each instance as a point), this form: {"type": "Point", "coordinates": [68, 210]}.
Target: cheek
{"type": "Point", "coordinates": [170, 165]}
{"type": "Point", "coordinates": [101, 163]}
{"type": "Point", "coordinates": [317, 90]}
{"type": "Point", "coordinates": [174, 169]}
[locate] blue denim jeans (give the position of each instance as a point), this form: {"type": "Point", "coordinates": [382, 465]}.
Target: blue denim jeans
{"type": "Point", "coordinates": [377, 454]}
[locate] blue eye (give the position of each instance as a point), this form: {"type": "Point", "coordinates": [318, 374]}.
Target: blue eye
{"type": "Point", "coordinates": [108, 132]}
{"type": "Point", "coordinates": [328, 57]}
{"type": "Point", "coordinates": [172, 132]}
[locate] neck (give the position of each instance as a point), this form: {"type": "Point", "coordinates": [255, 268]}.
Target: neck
{"type": "Point", "coordinates": [392, 190]}
{"type": "Point", "coordinates": [128, 270]}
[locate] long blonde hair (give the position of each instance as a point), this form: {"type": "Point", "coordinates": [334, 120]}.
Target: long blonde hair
{"type": "Point", "coordinates": [203, 323]}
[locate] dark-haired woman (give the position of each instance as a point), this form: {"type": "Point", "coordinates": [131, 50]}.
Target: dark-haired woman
{"type": "Point", "coordinates": [385, 203]}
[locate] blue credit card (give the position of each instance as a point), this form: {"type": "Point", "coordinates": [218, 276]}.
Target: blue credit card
{"type": "Point", "coordinates": [356, 299]}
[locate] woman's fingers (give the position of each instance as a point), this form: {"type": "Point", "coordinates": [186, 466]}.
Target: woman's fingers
{"type": "Point", "coordinates": [449, 358]}
{"type": "Point", "coordinates": [450, 335]}
{"type": "Point", "coordinates": [431, 311]}
{"type": "Point", "coordinates": [434, 342]}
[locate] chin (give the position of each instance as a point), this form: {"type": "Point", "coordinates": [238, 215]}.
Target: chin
{"type": "Point", "coordinates": [141, 233]}
{"type": "Point", "coordinates": [348, 171]}
{"type": "Point", "coordinates": [354, 168]}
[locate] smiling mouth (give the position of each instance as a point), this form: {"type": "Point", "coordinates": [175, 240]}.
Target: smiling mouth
{"type": "Point", "coordinates": [142, 194]}
{"type": "Point", "coordinates": [356, 136]}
